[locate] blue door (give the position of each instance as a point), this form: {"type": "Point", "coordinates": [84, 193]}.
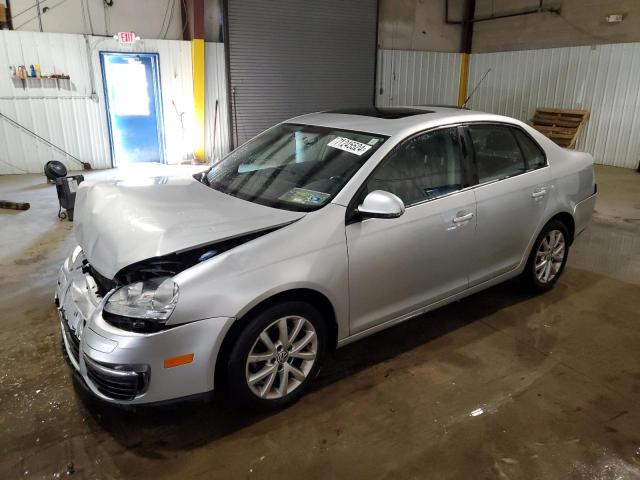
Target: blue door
{"type": "Point", "coordinates": [134, 107]}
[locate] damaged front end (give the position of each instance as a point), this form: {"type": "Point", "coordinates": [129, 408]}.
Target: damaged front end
{"type": "Point", "coordinates": [142, 296]}
{"type": "Point", "coordinates": [174, 263]}
{"type": "Point", "coordinates": [116, 364]}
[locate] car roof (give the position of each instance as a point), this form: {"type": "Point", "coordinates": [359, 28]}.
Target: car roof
{"type": "Point", "coordinates": [391, 121]}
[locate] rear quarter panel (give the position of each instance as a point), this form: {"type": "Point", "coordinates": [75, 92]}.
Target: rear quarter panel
{"type": "Point", "coordinates": [572, 180]}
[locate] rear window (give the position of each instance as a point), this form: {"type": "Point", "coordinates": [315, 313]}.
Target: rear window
{"type": "Point", "coordinates": [532, 152]}
{"type": "Point", "coordinates": [497, 153]}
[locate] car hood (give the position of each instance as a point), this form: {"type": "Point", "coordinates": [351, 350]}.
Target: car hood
{"type": "Point", "coordinates": [118, 223]}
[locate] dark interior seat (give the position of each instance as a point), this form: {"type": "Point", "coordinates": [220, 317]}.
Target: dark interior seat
{"type": "Point", "coordinates": [423, 169]}
{"type": "Point", "coordinates": [499, 156]}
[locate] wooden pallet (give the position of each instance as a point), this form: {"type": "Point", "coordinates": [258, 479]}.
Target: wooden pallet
{"type": "Point", "coordinates": [560, 125]}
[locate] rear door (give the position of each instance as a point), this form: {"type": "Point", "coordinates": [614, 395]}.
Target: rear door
{"type": "Point", "coordinates": [511, 196]}
{"type": "Point", "coordinates": [399, 265]}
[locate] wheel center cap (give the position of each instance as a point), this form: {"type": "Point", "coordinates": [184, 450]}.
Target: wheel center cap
{"type": "Point", "coordinates": [282, 356]}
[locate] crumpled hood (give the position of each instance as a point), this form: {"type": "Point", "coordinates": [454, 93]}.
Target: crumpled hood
{"type": "Point", "coordinates": [118, 223]}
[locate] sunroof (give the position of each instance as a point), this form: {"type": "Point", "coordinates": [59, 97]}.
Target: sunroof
{"type": "Point", "coordinates": [389, 113]}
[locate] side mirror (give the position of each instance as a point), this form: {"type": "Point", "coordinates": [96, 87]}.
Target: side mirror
{"type": "Point", "coordinates": [381, 204]}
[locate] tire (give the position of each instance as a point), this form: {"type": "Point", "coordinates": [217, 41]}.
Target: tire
{"type": "Point", "coordinates": [271, 364]}
{"type": "Point", "coordinates": [538, 275]}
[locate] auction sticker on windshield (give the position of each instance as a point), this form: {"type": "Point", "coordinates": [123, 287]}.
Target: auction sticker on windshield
{"type": "Point", "coordinates": [304, 196]}
{"type": "Point", "coordinates": [348, 145]}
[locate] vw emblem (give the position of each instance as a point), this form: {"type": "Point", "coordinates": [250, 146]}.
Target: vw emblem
{"type": "Point", "coordinates": [281, 356]}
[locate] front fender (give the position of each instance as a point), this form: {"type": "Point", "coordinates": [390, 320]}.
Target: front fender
{"type": "Point", "coordinates": [310, 254]}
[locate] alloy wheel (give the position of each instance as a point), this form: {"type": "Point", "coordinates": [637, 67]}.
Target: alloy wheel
{"type": "Point", "coordinates": [550, 256]}
{"type": "Point", "coordinates": [282, 357]}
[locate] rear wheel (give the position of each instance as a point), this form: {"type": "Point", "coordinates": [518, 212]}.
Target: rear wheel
{"type": "Point", "coordinates": [548, 257]}
{"type": "Point", "coordinates": [276, 356]}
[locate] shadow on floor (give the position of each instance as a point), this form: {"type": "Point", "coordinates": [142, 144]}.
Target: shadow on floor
{"type": "Point", "coordinates": [150, 430]}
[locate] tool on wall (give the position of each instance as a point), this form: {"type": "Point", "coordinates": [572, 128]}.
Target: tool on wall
{"type": "Point", "coordinates": [188, 156]}
{"type": "Point", "coordinates": [85, 165]}
{"type": "Point", "coordinates": [235, 114]}
{"type": "Point", "coordinates": [215, 128]}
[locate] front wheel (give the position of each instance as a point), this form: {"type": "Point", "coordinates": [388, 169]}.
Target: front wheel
{"type": "Point", "coordinates": [276, 356]}
{"type": "Point", "coordinates": [548, 257]}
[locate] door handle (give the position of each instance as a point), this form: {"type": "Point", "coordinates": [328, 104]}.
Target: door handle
{"type": "Point", "coordinates": [540, 192]}
{"type": "Point", "coordinates": [463, 218]}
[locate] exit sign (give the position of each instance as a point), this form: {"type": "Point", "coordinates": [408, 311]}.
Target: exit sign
{"type": "Point", "coordinates": [126, 38]}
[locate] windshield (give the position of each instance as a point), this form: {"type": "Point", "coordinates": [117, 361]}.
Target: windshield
{"type": "Point", "coordinates": [294, 167]}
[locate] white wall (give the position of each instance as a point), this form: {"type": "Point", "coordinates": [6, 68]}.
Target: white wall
{"type": "Point", "coordinates": [216, 123]}
{"type": "Point", "coordinates": [603, 79]}
{"type": "Point", "coordinates": [407, 77]}
{"type": "Point", "coordinates": [148, 18]}
{"type": "Point", "coordinates": [73, 116]}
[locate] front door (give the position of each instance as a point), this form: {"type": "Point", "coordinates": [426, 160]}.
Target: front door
{"type": "Point", "coordinates": [134, 107]}
{"type": "Point", "coordinates": [397, 266]}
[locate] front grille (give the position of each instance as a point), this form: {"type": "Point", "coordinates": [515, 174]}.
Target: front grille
{"type": "Point", "coordinates": [72, 340]}
{"type": "Point", "coordinates": [115, 383]}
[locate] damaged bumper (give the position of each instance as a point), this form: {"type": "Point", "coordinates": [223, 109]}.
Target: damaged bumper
{"type": "Point", "coordinates": [128, 367]}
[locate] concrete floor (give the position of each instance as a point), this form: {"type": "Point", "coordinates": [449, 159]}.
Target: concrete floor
{"type": "Point", "coordinates": [500, 385]}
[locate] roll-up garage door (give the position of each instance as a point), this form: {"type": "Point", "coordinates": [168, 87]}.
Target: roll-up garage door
{"type": "Point", "coordinates": [290, 57]}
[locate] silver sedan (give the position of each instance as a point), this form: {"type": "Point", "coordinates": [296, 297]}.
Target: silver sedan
{"type": "Point", "coordinates": [322, 230]}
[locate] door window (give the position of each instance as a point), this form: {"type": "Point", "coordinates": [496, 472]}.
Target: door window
{"type": "Point", "coordinates": [423, 168]}
{"type": "Point", "coordinates": [497, 153]}
{"type": "Point", "coordinates": [532, 152]}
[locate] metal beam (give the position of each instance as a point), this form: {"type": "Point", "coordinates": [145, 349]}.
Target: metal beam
{"type": "Point", "coordinates": [540, 9]}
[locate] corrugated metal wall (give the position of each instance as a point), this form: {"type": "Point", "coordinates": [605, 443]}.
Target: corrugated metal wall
{"type": "Point", "coordinates": [68, 116]}
{"type": "Point", "coordinates": [216, 124]}
{"type": "Point", "coordinates": [603, 79]}
{"type": "Point", "coordinates": [406, 77]}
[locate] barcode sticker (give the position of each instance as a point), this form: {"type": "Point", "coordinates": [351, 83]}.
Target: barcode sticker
{"type": "Point", "coordinates": [73, 185]}
{"type": "Point", "coordinates": [350, 146]}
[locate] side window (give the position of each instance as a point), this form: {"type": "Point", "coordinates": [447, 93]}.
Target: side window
{"type": "Point", "coordinates": [497, 153]}
{"type": "Point", "coordinates": [532, 152]}
{"type": "Point", "coordinates": [425, 167]}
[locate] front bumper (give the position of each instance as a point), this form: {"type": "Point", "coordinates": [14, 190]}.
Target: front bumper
{"type": "Point", "coordinates": [127, 367]}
